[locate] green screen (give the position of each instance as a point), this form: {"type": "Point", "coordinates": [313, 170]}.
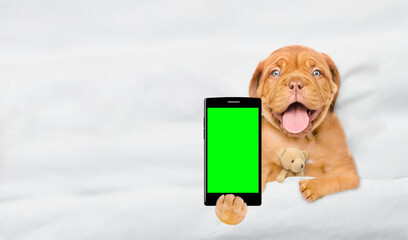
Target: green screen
{"type": "Point", "coordinates": [232, 150]}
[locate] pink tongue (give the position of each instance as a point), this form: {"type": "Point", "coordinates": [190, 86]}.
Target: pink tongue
{"type": "Point", "coordinates": [295, 118]}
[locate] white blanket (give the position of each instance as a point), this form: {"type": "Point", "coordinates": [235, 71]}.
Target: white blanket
{"type": "Point", "coordinates": [101, 108]}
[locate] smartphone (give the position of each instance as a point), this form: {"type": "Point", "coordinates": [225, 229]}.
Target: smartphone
{"type": "Point", "coordinates": [232, 149]}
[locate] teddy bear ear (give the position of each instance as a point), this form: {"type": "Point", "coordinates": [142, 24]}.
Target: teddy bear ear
{"type": "Point", "coordinates": [281, 152]}
{"type": "Point", "coordinates": [305, 154]}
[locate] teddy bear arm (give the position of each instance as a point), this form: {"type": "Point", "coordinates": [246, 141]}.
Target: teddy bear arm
{"type": "Point", "coordinates": [282, 175]}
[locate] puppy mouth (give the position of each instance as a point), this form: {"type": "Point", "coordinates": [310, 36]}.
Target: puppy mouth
{"type": "Point", "coordinates": [297, 118]}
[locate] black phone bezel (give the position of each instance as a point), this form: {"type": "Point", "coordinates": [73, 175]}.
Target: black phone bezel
{"type": "Point", "coordinates": [251, 199]}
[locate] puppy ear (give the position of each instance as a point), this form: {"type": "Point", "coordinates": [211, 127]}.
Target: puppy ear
{"type": "Point", "coordinates": [281, 152]}
{"type": "Point", "coordinates": [305, 154]}
{"type": "Point", "coordinates": [254, 84]}
{"type": "Point", "coordinates": [335, 76]}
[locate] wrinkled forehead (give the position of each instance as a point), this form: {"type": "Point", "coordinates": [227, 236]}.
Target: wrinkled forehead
{"type": "Point", "coordinates": [295, 58]}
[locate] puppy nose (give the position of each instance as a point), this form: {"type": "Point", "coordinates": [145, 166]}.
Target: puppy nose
{"type": "Point", "coordinates": [296, 85]}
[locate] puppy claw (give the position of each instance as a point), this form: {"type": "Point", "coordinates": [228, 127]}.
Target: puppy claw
{"type": "Point", "coordinates": [306, 193]}
{"type": "Point", "coordinates": [229, 198]}
{"type": "Point", "coordinates": [311, 198]}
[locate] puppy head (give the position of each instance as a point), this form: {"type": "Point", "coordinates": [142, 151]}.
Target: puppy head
{"type": "Point", "coordinates": [298, 87]}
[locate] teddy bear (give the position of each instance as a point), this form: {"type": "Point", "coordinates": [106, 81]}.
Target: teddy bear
{"type": "Point", "coordinates": [292, 159]}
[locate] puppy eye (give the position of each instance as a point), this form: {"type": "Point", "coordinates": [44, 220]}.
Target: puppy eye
{"type": "Point", "coordinates": [275, 73]}
{"type": "Point", "coordinates": [293, 161]}
{"type": "Point", "coordinates": [317, 73]}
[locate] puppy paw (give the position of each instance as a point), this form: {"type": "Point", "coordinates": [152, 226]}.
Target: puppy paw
{"type": "Point", "coordinates": [309, 190]}
{"type": "Point", "coordinates": [231, 209]}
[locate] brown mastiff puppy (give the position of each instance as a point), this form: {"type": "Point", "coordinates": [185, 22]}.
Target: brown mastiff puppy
{"type": "Point", "coordinates": [298, 87]}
